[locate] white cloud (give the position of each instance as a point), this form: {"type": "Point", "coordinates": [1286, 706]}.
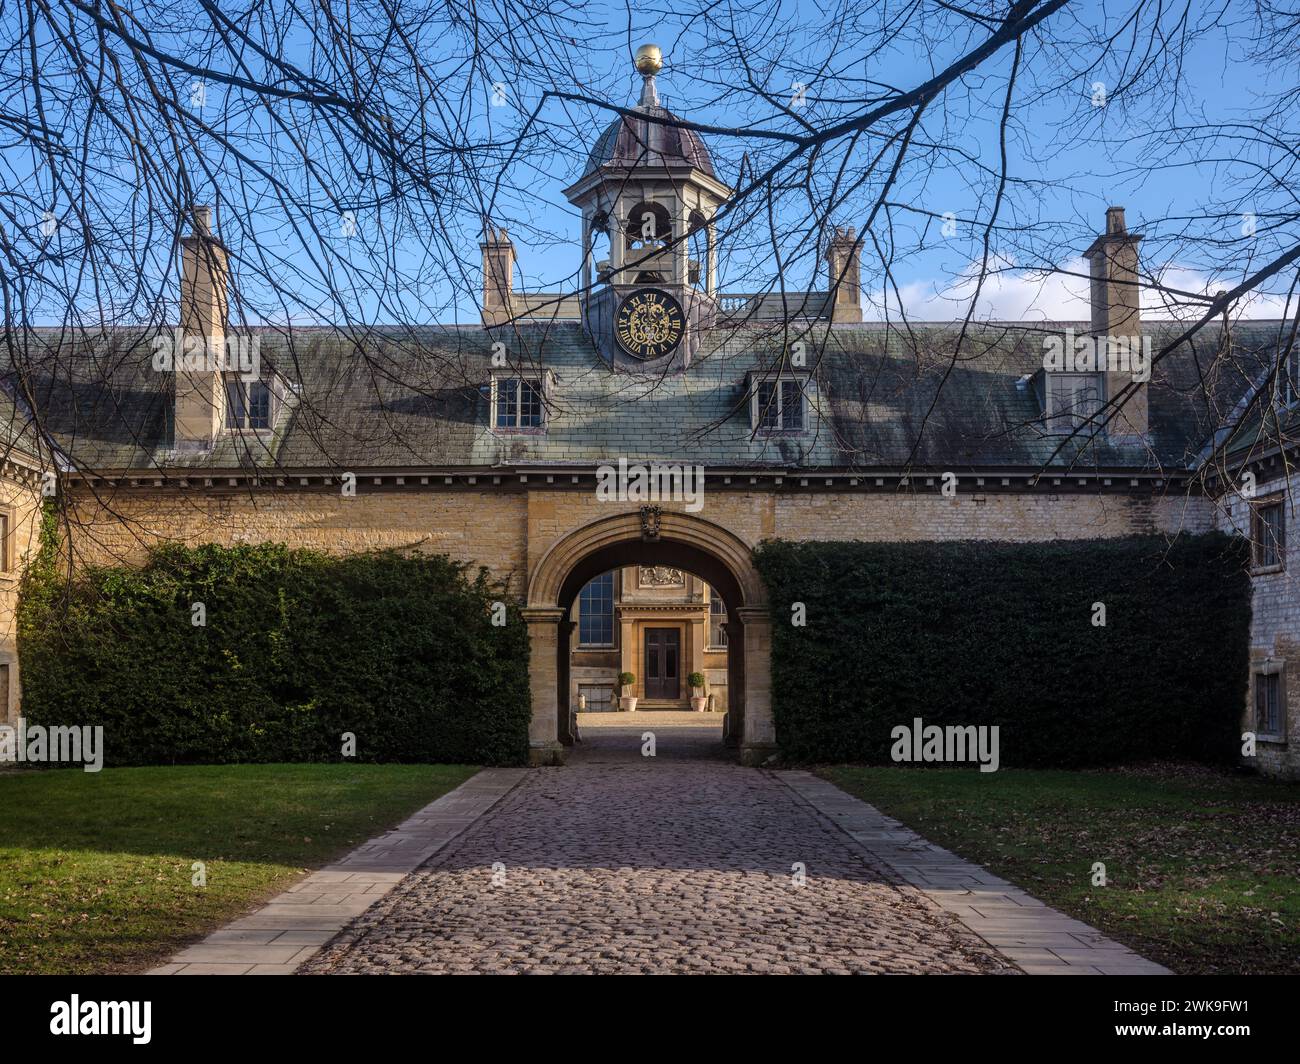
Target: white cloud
{"type": "Point", "coordinates": [1010, 294]}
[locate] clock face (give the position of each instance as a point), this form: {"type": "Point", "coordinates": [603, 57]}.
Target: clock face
{"type": "Point", "coordinates": [649, 323]}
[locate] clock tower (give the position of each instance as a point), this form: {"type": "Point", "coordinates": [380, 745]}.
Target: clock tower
{"type": "Point", "coordinates": [648, 196]}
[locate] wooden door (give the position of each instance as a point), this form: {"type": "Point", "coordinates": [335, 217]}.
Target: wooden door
{"type": "Point", "coordinates": [663, 657]}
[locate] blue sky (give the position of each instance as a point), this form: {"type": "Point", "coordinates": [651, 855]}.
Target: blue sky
{"type": "Point", "coordinates": [1068, 160]}
{"type": "Point", "coordinates": [1085, 157]}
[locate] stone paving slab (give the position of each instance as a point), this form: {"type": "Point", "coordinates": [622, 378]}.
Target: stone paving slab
{"type": "Point", "coordinates": [294, 925]}
{"type": "Point", "coordinates": [1038, 938]}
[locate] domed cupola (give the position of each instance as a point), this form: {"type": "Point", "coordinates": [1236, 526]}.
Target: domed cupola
{"type": "Point", "coordinates": [649, 137]}
{"type": "Point", "coordinates": [650, 191]}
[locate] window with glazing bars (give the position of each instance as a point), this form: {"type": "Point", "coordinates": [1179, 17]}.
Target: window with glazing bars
{"type": "Point", "coordinates": [1268, 539]}
{"type": "Point", "coordinates": [519, 403]}
{"type": "Point", "coordinates": [248, 404]}
{"type": "Point", "coordinates": [596, 612]}
{"type": "Point", "coordinates": [1268, 703]}
{"type": "Point", "coordinates": [780, 406]}
{"type": "Point", "coordinates": [717, 619]}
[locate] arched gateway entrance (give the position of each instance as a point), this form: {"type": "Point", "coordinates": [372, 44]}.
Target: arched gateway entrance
{"type": "Point", "coordinates": [649, 537]}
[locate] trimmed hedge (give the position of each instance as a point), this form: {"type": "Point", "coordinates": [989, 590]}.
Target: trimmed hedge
{"type": "Point", "coordinates": [999, 633]}
{"type": "Point", "coordinates": [298, 648]}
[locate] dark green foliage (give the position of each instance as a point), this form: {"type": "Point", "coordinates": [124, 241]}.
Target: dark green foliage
{"type": "Point", "coordinates": [1001, 633]}
{"type": "Point", "coordinates": [298, 648]}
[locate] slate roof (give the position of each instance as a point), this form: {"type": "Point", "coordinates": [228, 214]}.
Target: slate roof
{"type": "Point", "coordinates": [1265, 427]}
{"type": "Point", "coordinates": [1264, 418]}
{"type": "Point", "coordinates": [409, 398]}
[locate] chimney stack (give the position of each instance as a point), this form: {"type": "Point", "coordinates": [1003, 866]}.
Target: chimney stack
{"type": "Point", "coordinates": [204, 307]}
{"type": "Point", "coordinates": [1117, 314]}
{"type": "Point", "coordinates": [498, 276]}
{"type": "Point", "coordinates": [844, 274]}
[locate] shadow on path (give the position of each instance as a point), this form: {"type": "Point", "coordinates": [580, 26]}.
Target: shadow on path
{"type": "Point", "coordinates": [612, 738]}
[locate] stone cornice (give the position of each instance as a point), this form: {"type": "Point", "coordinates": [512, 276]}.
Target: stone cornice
{"type": "Point", "coordinates": [891, 481]}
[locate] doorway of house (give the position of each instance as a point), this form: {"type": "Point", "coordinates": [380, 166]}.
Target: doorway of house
{"type": "Point", "coordinates": [663, 656]}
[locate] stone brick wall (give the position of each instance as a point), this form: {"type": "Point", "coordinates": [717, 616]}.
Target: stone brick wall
{"type": "Point", "coordinates": [20, 502]}
{"type": "Point", "coordinates": [510, 527]}
{"type": "Point", "coordinates": [1275, 623]}
{"type": "Point", "coordinates": [800, 514]}
{"type": "Point", "coordinates": [477, 526]}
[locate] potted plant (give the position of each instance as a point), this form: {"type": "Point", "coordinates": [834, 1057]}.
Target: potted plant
{"type": "Point", "coordinates": [699, 700]}
{"type": "Point", "coordinates": [626, 702]}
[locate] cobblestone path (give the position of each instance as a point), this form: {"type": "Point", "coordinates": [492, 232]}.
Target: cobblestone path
{"type": "Point", "coordinates": [656, 866]}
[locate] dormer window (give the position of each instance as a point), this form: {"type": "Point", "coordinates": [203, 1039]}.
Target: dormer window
{"type": "Point", "coordinates": [779, 405]}
{"type": "Point", "coordinates": [1073, 401]}
{"type": "Point", "coordinates": [517, 403]}
{"type": "Point", "coordinates": [248, 403]}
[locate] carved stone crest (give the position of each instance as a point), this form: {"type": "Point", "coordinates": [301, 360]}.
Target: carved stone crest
{"type": "Point", "coordinates": [660, 576]}
{"type": "Point", "coordinates": [650, 516]}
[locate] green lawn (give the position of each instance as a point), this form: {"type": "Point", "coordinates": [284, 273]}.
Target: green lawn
{"type": "Point", "coordinates": [1203, 866]}
{"type": "Point", "coordinates": [96, 868]}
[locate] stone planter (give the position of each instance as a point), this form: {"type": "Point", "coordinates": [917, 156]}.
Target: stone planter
{"type": "Point", "coordinates": [627, 703]}
{"type": "Point", "coordinates": [699, 703]}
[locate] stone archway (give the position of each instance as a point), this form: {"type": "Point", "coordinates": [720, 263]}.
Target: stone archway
{"type": "Point", "coordinates": [650, 537]}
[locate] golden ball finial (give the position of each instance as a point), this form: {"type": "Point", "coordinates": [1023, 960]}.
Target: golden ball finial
{"type": "Point", "coordinates": [649, 60]}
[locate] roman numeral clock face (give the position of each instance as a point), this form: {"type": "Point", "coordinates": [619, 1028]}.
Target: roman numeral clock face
{"type": "Point", "coordinates": [649, 324]}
